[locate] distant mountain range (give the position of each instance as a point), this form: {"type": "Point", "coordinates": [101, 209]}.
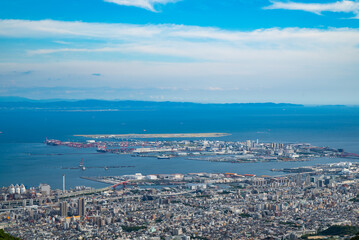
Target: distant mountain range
{"type": "Point", "coordinates": [22, 99]}
{"type": "Point", "coordinates": [115, 104]}
{"type": "Point", "coordinates": [93, 104]}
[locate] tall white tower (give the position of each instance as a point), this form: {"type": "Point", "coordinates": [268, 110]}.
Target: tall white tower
{"type": "Point", "coordinates": [63, 183]}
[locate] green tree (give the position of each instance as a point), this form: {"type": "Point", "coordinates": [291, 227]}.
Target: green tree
{"type": "Point", "coordinates": [6, 236]}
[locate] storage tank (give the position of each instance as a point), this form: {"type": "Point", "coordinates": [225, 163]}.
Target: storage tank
{"type": "Point", "coordinates": [17, 189]}
{"type": "Point", "coordinates": [22, 189]}
{"type": "Point", "coordinates": [11, 189]}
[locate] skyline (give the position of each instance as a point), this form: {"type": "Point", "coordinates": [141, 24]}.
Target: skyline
{"type": "Point", "coordinates": [302, 52]}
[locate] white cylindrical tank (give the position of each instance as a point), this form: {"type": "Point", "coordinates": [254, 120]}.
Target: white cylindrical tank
{"type": "Point", "coordinates": [22, 189]}
{"type": "Point", "coordinates": [17, 189]}
{"type": "Point", "coordinates": [11, 189]}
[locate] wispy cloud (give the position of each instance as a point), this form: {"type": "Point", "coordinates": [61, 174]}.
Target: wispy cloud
{"type": "Point", "coordinates": [289, 61]}
{"type": "Point", "coordinates": [145, 4]}
{"type": "Point", "coordinates": [344, 6]}
{"type": "Point", "coordinates": [23, 72]}
{"type": "Point", "coordinates": [61, 42]}
{"type": "Point", "coordinates": [55, 29]}
{"type": "Point", "coordinates": [192, 42]}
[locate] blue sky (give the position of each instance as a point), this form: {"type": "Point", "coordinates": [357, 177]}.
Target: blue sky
{"type": "Point", "coordinates": [181, 50]}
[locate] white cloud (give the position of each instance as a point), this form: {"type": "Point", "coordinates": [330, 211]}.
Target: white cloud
{"type": "Point", "coordinates": [289, 61]}
{"type": "Point", "coordinates": [344, 6]}
{"type": "Point", "coordinates": [55, 29]}
{"type": "Point", "coordinates": [279, 79]}
{"type": "Point", "coordinates": [192, 42]}
{"type": "Point", "coordinates": [61, 42]}
{"type": "Point", "coordinates": [145, 4]}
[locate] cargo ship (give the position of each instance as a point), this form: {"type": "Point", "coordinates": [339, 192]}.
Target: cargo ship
{"type": "Point", "coordinates": [101, 149]}
{"type": "Point", "coordinates": [53, 142]}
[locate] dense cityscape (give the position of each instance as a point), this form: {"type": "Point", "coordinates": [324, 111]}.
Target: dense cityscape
{"type": "Point", "coordinates": [304, 203]}
{"type": "Point", "coordinates": [179, 120]}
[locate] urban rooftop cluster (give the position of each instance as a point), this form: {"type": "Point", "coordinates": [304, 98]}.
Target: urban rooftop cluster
{"type": "Point", "coordinates": [198, 206]}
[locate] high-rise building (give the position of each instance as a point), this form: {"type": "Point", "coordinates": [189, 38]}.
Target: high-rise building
{"type": "Point", "coordinates": [298, 179]}
{"type": "Point", "coordinates": [320, 183]}
{"type": "Point", "coordinates": [81, 207]}
{"type": "Point", "coordinates": [63, 209]}
{"type": "Point", "coordinates": [307, 180]}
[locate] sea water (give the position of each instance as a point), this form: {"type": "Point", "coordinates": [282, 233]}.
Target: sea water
{"type": "Point", "coordinates": [24, 158]}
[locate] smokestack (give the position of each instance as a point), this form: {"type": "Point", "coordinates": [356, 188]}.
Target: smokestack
{"type": "Point", "coordinates": [63, 183]}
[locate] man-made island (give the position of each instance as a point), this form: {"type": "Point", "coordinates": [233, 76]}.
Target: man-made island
{"type": "Point", "coordinates": [167, 135]}
{"type": "Point", "coordinates": [209, 150]}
